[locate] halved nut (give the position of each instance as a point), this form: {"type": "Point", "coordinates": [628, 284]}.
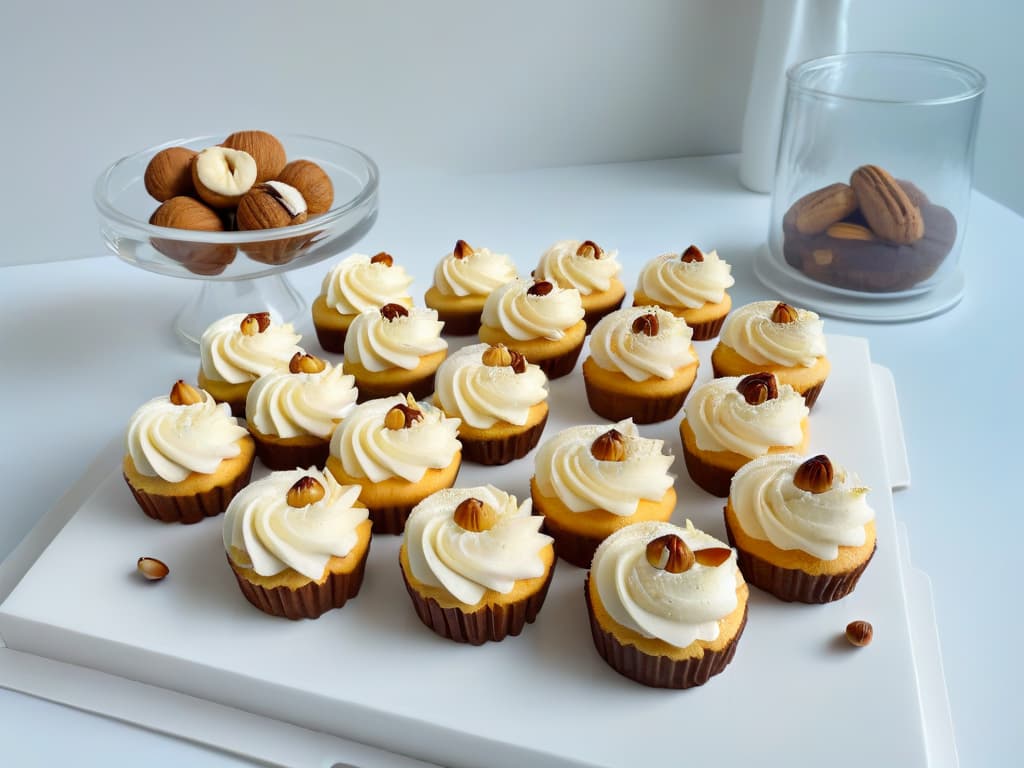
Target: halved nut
{"type": "Point", "coordinates": [152, 569]}
{"type": "Point", "coordinates": [303, 362]}
{"type": "Point", "coordinates": [306, 490]}
{"type": "Point", "coordinates": [669, 553]}
{"type": "Point", "coordinates": [185, 394]}
{"type": "Point", "coordinates": [222, 175]}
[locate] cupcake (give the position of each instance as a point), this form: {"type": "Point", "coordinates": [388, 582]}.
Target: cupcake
{"type": "Point", "coordinates": [297, 543]}
{"type": "Point", "coordinates": [475, 564]}
{"type": "Point", "coordinates": [667, 605]}
{"type": "Point", "coordinates": [462, 282]}
{"type": "Point", "coordinates": [238, 349]}
{"type": "Point", "coordinates": [641, 365]}
{"type": "Point", "coordinates": [590, 480]}
{"type": "Point", "coordinates": [292, 412]}
{"type": "Point", "coordinates": [691, 285]}
{"type": "Point", "coordinates": [355, 284]}
{"type": "Point", "coordinates": [394, 349]}
{"type": "Point", "coordinates": [727, 422]}
{"type": "Point", "coordinates": [500, 399]}
{"type": "Point", "coordinates": [539, 320]}
{"type": "Point", "coordinates": [186, 456]}
{"type": "Point", "coordinates": [588, 268]}
{"type": "Point", "coordinates": [774, 337]}
{"type": "Point", "coordinates": [399, 452]}
{"type": "Point", "coordinates": [802, 528]}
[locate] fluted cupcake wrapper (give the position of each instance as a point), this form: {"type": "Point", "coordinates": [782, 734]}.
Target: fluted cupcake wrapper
{"type": "Point", "coordinates": [419, 389]}
{"type": "Point", "coordinates": [281, 456]}
{"type": "Point", "coordinates": [659, 671]}
{"type": "Point", "coordinates": [617, 406]}
{"type": "Point", "coordinates": [561, 365]}
{"type": "Point", "coordinates": [593, 316]}
{"type": "Point", "coordinates": [708, 330]}
{"type": "Point", "coordinates": [571, 546]}
{"type": "Point", "coordinates": [496, 452]}
{"type": "Point", "coordinates": [490, 623]}
{"type": "Point", "coordinates": [391, 519]}
{"type": "Point", "coordinates": [713, 479]}
{"type": "Point", "coordinates": [459, 324]}
{"type": "Point", "coordinates": [331, 339]}
{"type": "Point", "coordinates": [190, 509]}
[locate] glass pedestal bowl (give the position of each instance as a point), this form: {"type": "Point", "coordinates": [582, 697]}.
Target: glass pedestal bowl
{"type": "Point", "coordinates": [239, 271]}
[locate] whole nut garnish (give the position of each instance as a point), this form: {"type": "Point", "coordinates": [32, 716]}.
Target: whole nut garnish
{"type": "Point", "coordinates": [611, 446]}
{"type": "Point", "coordinates": [590, 250]}
{"type": "Point", "coordinates": [384, 258]}
{"type": "Point", "coordinates": [312, 182]}
{"type": "Point", "coordinates": [472, 515]}
{"type": "Point", "coordinates": [692, 254]}
{"type": "Point", "coordinates": [270, 205]}
{"type": "Point", "coordinates": [669, 553]}
{"type": "Point", "coordinates": [815, 212]}
{"type": "Point", "coordinates": [265, 149]}
{"type": "Point", "coordinates": [845, 230]}
{"type": "Point", "coordinates": [859, 633]}
{"type": "Point", "coordinates": [303, 362]}
{"type": "Point", "coordinates": [783, 313]}
{"type": "Point", "coordinates": [758, 388]}
{"type": "Point", "coordinates": [393, 311]}
{"type": "Point", "coordinates": [886, 207]}
{"type": "Point", "coordinates": [402, 416]}
{"type": "Point", "coordinates": [497, 356]}
{"type": "Point", "coordinates": [169, 173]}
{"type": "Point", "coordinates": [186, 213]}
{"type": "Point", "coordinates": [712, 556]}
{"type": "Point", "coordinates": [646, 324]}
{"type": "Point", "coordinates": [151, 568]}
{"type": "Point", "coordinates": [462, 249]}
{"type": "Point", "coordinates": [540, 288]}
{"type": "Point", "coordinates": [814, 475]}
{"type": "Point", "coordinates": [222, 175]}
{"type": "Point", "coordinates": [255, 322]}
{"type": "Point", "coordinates": [307, 490]}
{"type": "Point", "coordinates": [185, 394]}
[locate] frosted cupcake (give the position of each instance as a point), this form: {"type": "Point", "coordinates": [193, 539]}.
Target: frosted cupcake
{"type": "Point", "coordinates": [542, 322]}
{"type": "Point", "coordinates": [730, 421]}
{"type": "Point", "coordinates": [292, 413]}
{"type": "Point", "coordinates": [354, 285]}
{"type": "Point", "coordinates": [588, 268]}
{"type": "Point", "coordinates": [394, 349]}
{"type": "Point", "coordinates": [775, 337]}
{"type": "Point", "coordinates": [399, 452]}
{"type": "Point", "coordinates": [692, 285]}
{"type": "Point", "coordinates": [590, 480]}
{"type": "Point", "coordinates": [462, 282]}
{"type": "Point", "coordinates": [802, 527]}
{"type": "Point", "coordinates": [236, 350]}
{"type": "Point", "coordinates": [475, 564]}
{"type": "Point", "coordinates": [642, 365]}
{"type": "Point", "coordinates": [297, 543]}
{"type": "Point", "coordinates": [500, 399]}
{"type": "Point", "coordinates": [185, 456]}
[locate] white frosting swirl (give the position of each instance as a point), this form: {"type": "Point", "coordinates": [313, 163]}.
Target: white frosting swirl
{"type": "Point", "coordinates": [770, 507]}
{"type": "Point", "coordinates": [355, 284]}
{"type": "Point", "coordinates": [294, 404]}
{"type": "Point", "coordinates": [377, 343]}
{"type": "Point", "coordinates": [677, 608]}
{"type": "Point", "coordinates": [275, 536]}
{"type": "Point", "coordinates": [722, 419]}
{"type": "Point", "coordinates": [464, 563]}
{"type": "Point", "coordinates": [366, 448]}
{"type": "Point", "coordinates": [672, 282]}
{"type": "Point", "coordinates": [523, 316]}
{"type": "Point", "coordinates": [561, 265]}
{"type": "Point", "coordinates": [615, 347]}
{"type": "Point", "coordinates": [173, 441]}
{"type": "Point", "coordinates": [566, 469]}
{"type": "Point", "coordinates": [750, 331]}
{"type": "Point", "coordinates": [229, 355]}
{"type": "Point", "coordinates": [482, 395]}
{"type": "Point", "coordinates": [477, 274]}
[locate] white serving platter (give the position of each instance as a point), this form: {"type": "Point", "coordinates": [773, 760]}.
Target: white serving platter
{"type": "Point", "coordinates": [372, 674]}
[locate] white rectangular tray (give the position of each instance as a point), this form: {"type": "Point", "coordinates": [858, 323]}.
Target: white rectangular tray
{"type": "Point", "coordinates": [372, 673]}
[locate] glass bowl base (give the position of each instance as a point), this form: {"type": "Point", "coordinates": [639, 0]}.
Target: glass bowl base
{"type": "Point", "coordinates": [217, 298]}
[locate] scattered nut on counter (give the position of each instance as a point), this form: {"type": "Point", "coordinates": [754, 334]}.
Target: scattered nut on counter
{"type": "Point", "coordinates": [859, 633]}
{"type": "Point", "coordinates": [152, 569]}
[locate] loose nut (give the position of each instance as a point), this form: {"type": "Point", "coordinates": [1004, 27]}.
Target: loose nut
{"type": "Point", "coordinates": [265, 149]}
{"type": "Point", "coordinates": [307, 490]}
{"type": "Point", "coordinates": [222, 175]}
{"type": "Point", "coordinates": [646, 324]}
{"type": "Point", "coordinates": [255, 322]}
{"type": "Point", "coordinates": [462, 249]}
{"type": "Point", "coordinates": [590, 250]}
{"type": "Point", "coordinates": [783, 313]}
{"type": "Point", "coordinates": [670, 553]}
{"type": "Point", "coordinates": [169, 173]}
{"type": "Point", "coordinates": [497, 356]}
{"type": "Point", "coordinates": [384, 258]}
{"type": "Point", "coordinates": [518, 362]}
{"type": "Point", "coordinates": [845, 230]}
{"type": "Point", "coordinates": [540, 288]}
{"type": "Point", "coordinates": [303, 362]}
{"type": "Point", "coordinates": [472, 515]}
{"type": "Point", "coordinates": [822, 257]}
{"type": "Point", "coordinates": [712, 556]}
{"type": "Point", "coordinates": [758, 388]}
{"type": "Point", "coordinates": [151, 568]}
{"type": "Point", "coordinates": [185, 394]}
{"type": "Point", "coordinates": [611, 446]}
{"type": "Point", "coordinates": [859, 633]}
{"type": "Point", "coordinates": [886, 207]}
{"type": "Point", "coordinates": [186, 213]}
{"type": "Point", "coordinates": [402, 416]}
{"type": "Point", "coordinates": [312, 182]}
{"type": "Point", "coordinates": [818, 210]}
{"type": "Point", "coordinates": [692, 254]}
{"type": "Point", "coordinates": [814, 475]}
{"type": "Point", "coordinates": [392, 311]}
{"type": "Point", "coordinates": [270, 205]}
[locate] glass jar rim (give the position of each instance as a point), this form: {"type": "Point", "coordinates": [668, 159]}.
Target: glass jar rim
{"type": "Point", "coordinates": [974, 82]}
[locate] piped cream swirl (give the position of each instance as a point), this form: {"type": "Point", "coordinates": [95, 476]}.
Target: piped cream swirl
{"type": "Point", "coordinates": [616, 347]}
{"type": "Point", "coordinates": [229, 355]}
{"type": "Point", "coordinates": [561, 265]}
{"type": "Point", "coordinates": [672, 282]}
{"type": "Point", "coordinates": [524, 316]}
{"type": "Point", "coordinates": [355, 284]}
{"type": "Point", "coordinates": [377, 343]}
{"type": "Point", "coordinates": [289, 404]}
{"type": "Point", "coordinates": [750, 331]}
{"type": "Point", "coordinates": [476, 274]}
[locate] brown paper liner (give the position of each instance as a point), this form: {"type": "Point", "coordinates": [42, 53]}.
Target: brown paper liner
{"type": "Point", "coordinates": [617, 406]}
{"type": "Point", "coordinates": [497, 452]}
{"type": "Point", "coordinates": [459, 323]}
{"type": "Point", "coordinates": [573, 547]}
{"type": "Point", "coordinates": [419, 389]}
{"type": "Point", "coordinates": [593, 316]}
{"type": "Point", "coordinates": [708, 330]}
{"type": "Point", "coordinates": [190, 509]}
{"type": "Point", "coordinates": [331, 339]}
{"type": "Point", "coordinates": [281, 456]}
{"type": "Point", "coordinates": [561, 365]}
{"type": "Point", "coordinates": [658, 671]}
{"type": "Point", "coordinates": [306, 602]}
{"type": "Point", "coordinates": [713, 479]}
{"type": "Point", "coordinates": [490, 623]}
{"type": "Point", "coordinates": [390, 519]}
